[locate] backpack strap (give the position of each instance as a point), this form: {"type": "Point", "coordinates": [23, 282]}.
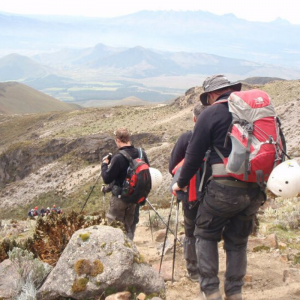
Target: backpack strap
{"type": "Point", "coordinates": [219, 152]}
{"type": "Point", "coordinates": [141, 153]}
{"type": "Point", "coordinates": [249, 129]}
{"type": "Point", "coordinates": [127, 156]}
{"type": "Point", "coordinates": [207, 155]}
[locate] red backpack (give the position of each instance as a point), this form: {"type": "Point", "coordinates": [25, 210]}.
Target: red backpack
{"type": "Point", "coordinates": [258, 144]}
{"type": "Point", "coordinates": [137, 184]}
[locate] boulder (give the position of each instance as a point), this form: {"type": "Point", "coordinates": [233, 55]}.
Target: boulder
{"type": "Point", "coordinates": [8, 277]}
{"type": "Point", "coordinates": [96, 261]}
{"type": "Point", "coordinates": [270, 241]}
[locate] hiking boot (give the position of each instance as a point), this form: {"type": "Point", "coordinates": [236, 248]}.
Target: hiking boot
{"type": "Point", "coordinates": [234, 297]}
{"type": "Point", "coordinates": [214, 296]}
{"type": "Point", "coordinates": [193, 276]}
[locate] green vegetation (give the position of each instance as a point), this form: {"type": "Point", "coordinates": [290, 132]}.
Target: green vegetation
{"type": "Point", "coordinates": [110, 291]}
{"type": "Point", "coordinates": [31, 271]}
{"type": "Point", "coordinates": [261, 248]}
{"type": "Point", "coordinates": [283, 220]}
{"type": "Point", "coordinates": [79, 285]}
{"type": "Point", "coordinates": [85, 236]}
{"type": "Point", "coordinates": [84, 267]}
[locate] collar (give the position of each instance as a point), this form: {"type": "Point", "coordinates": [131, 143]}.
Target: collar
{"type": "Point", "coordinates": [224, 96]}
{"type": "Point", "coordinates": [126, 147]}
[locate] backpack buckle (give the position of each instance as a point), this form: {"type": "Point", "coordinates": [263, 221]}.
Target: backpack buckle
{"type": "Point", "coordinates": [249, 127]}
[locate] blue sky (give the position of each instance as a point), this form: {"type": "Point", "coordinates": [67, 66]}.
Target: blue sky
{"type": "Point", "coordinates": [254, 10]}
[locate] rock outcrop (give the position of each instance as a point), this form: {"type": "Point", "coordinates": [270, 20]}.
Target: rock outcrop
{"type": "Point", "coordinates": [97, 261]}
{"type": "Point", "coordinates": [20, 160]}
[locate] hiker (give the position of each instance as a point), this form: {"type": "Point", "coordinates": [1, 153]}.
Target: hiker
{"type": "Point", "coordinates": [30, 213]}
{"type": "Point", "coordinates": [189, 205]}
{"type": "Point", "coordinates": [54, 209]}
{"type": "Point", "coordinates": [48, 211]}
{"type": "Point", "coordinates": [113, 171]}
{"type": "Point", "coordinates": [43, 211]}
{"type": "Point", "coordinates": [229, 205]}
{"type": "Point", "coordinates": [35, 212]}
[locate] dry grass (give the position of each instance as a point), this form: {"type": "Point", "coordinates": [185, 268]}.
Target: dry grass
{"type": "Point", "coordinates": [165, 122]}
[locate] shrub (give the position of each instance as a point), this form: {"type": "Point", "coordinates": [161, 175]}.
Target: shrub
{"type": "Point", "coordinates": [32, 272]}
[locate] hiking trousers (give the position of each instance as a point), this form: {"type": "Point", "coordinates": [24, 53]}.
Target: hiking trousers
{"type": "Point", "coordinates": [226, 211]}
{"type": "Point", "coordinates": [122, 212]}
{"type": "Point", "coordinates": [189, 248]}
{"type": "Point", "coordinates": [136, 219]}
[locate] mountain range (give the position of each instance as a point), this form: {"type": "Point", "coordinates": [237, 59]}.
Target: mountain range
{"type": "Point", "coordinates": [150, 56]}
{"type": "Point", "coordinates": [274, 42]}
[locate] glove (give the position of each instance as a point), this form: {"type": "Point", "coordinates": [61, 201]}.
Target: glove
{"type": "Point", "coordinates": [181, 195]}
{"type": "Point", "coordinates": [105, 189]}
{"type": "Point", "coordinates": [108, 158]}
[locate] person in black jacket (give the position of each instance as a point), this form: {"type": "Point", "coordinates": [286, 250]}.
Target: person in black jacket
{"type": "Point", "coordinates": [189, 207]}
{"type": "Point", "coordinates": [114, 172]}
{"type": "Point", "coordinates": [229, 205]}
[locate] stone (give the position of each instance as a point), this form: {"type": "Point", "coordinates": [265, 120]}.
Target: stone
{"type": "Point", "coordinates": [98, 259]}
{"type": "Point", "coordinates": [248, 278]}
{"type": "Point", "coordinates": [141, 296]}
{"type": "Point", "coordinates": [160, 236]}
{"type": "Point", "coordinates": [8, 279]}
{"type": "Point", "coordinates": [268, 242]}
{"type": "Point", "coordinates": [119, 296]}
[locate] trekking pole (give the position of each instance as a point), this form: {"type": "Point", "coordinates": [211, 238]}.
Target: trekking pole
{"type": "Point", "coordinates": [91, 192]}
{"type": "Point", "coordinates": [163, 220]}
{"type": "Point", "coordinates": [103, 198]}
{"type": "Point", "coordinates": [166, 234]}
{"type": "Point", "coordinates": [150, 223]}
{"type": "Point", "coordinates": [175, 236]}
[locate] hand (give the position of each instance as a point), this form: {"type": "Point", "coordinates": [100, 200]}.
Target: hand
{"type": "Point", "coordinates": [176, 188]}
{"type": "Point", "coordinates": [106, 159]}
{"type": "Point", "coordinates": [181, 195]}
{"type": "Point", "coordinates": [103, 189]}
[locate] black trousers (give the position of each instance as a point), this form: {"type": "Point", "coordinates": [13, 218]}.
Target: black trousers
{"type": "Point", "coordinates": [189, 248]}
{"type": "Point", "coordinates": [227, 212]}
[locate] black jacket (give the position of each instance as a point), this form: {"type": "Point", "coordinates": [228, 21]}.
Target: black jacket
{"type": "Point", "coordinates": [178, 152]}
{"type": "Point", "coordinates": [117, 169]}
{"type": "Point", "coordinates": [210, 129]}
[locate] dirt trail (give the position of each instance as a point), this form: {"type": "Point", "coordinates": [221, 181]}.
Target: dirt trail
{"type": "Point", "coordinates": [270, 277]}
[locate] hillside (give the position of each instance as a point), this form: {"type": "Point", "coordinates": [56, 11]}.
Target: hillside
{"type": "Point", "coordinates": [18, 67]}
{"type": "Point", "coordinates": [17, 98]}
{"type": "Point", "coordinates": [56, 156]}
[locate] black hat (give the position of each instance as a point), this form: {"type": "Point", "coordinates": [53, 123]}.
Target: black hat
{"type": "Point", "coordinates": [217, 82]}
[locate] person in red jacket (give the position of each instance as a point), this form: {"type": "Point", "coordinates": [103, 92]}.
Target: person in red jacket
{"type": "Point", "coordinates": [190, 202]}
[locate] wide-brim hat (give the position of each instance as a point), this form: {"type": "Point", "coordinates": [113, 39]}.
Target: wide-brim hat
{"type": "Point", "coordinates": [217, 82]}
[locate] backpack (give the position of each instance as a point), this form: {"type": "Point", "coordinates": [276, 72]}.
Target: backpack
{"type": "Point", "coordinates": [137, 183]}
{"type": "Point", "coordinates": [258, 144]}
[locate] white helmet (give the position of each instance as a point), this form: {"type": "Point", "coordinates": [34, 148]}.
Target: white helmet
{"type": "Point", "coordinates": [284, 180]}
{"type": "Point", "coordinates": [156, 177]}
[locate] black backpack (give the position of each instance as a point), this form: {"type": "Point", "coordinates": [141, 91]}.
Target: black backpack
{"type": "Point", "coordinates": [137, 184]}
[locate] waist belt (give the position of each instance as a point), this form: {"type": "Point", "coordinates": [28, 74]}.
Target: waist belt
{"type": "Point", "coordinates": [219, 170]}
{"type": "Point", "coordinates": [230, 181]}
{"type": "Point", "coordinates": [220, 175]}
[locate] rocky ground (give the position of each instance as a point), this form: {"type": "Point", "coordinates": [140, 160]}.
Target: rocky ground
{"type": "Point", "coordinates": [270, 275]}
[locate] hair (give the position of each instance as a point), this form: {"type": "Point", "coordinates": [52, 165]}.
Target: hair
{"type": "Point", "coordinates": [198, 108]}
{"type": "Point", "coordinates": [122, 134]}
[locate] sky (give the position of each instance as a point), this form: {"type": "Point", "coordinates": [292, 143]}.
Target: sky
{"type": "Point", "coordinates": [252, 10]}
